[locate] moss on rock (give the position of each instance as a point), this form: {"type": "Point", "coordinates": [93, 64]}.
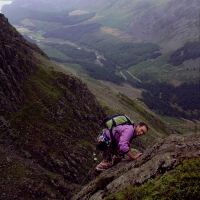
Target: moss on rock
{"type": "Point", "coordinates": [183, 182]}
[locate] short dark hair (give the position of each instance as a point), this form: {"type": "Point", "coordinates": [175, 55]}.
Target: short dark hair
{"type": "Point", "coordinates": [143, 124]}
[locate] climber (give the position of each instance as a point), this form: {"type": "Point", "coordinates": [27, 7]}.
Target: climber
{"type": "Point", "coordinates": [115, 143]}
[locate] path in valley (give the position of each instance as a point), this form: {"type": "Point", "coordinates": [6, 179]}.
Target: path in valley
{"type": "Point", "coordinates": [99, 56]}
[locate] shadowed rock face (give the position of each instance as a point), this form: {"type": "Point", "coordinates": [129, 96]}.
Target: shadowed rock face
{"type": "Point", "coordinates": [48, 123]}
{"type": "Point", "coordinates": [163, 156]}
{"type": "Point", "coordinates": [16, 63]}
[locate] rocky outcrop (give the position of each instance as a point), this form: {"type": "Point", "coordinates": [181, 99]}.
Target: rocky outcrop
{"type": "Point", "coordinates": [162, 157]}
{"type": "Point", "coordinates": [46, 142]}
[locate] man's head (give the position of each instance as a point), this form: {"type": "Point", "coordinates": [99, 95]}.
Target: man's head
{"type": "Point", "coordinates": [141, 128]}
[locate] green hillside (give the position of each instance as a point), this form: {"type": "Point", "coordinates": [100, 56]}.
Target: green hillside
{"type": "Point", "coordinates": [49, 118]}
{"type": "Point", "coordinates": [48, 123]}
{"type": "Point", "coordinates": [180, 183]}
{"type": "Point", "coordinates": [142, 43]}
{"type": "Point", "coordinates": [127, 99]}
{"type": "Point", "coordinates": [50, 129]}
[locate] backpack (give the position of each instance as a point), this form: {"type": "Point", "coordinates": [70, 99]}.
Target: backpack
{"type": "Point", "coordinates": [109, 123]}
{"type": "Point", "coordinates": [115, 120]}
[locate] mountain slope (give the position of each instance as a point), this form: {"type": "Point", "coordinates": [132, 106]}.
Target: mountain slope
{"type": "Point", "coordinates": [15, 52]}
{"type": "Point", "coordinates": [168, 23]}
{"type": "Point", "coordinates": [152, 45]}
{"type": "Point", "coordinates": [127, 99]}
{"type": "Point", "coordinates": [121, 31]}
{"type": "Point", "coordinates": [48, 123]}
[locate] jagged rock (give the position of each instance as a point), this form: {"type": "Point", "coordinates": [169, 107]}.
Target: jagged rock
{"type": "Point", "coordinates": [163, 156]}
{"type": "Point", "coordinates": [17, 63]}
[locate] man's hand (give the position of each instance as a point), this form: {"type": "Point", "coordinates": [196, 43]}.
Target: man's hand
{"type": "Point", "coordinates": [138, 155]}
{"type": "Point", "coordinates": [134, 156]}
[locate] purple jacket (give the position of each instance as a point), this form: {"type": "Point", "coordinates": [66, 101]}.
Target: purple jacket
{"type": "Point", "coordinates": [123, 135]}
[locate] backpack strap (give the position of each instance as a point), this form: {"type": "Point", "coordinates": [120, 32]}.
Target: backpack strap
{"type": "Point", "coordinates": [111, 131]}
{"type": "Point", "coordinates": [113, 141]}
{"type": "Point", "coordinates": [129, 121]}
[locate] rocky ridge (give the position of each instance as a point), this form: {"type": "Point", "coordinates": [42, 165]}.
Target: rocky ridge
{"type": "Point", "coordinates": [48, 121]}
{"type": "Point", "coordinates": [16, 61]}
{"type": "Point", "coordinates": [156, 161]}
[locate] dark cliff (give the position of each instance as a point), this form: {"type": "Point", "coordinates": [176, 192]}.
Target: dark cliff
{"type": "Point", "coordinates": [48, 122]}
{"type": "Point", "coordinates": [17, 62]}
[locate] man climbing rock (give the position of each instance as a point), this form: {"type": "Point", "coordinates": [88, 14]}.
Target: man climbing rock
{"type": "Point", "coordinates": [116, 138]}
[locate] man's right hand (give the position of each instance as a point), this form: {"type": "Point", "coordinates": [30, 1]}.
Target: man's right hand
{"type": "Point", "coordinates": [138, 155]}
{"type": "Point", "coordinates": [133, 156]}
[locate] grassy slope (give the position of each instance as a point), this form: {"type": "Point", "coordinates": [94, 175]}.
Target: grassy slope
{"type": "Point", "coordinates": [53, 129]}
{"type": "Point", "coordinates": [180, 183]}
{"type": "Point", "coordinates": [159, 69]}
{"type": "Point", "coordinates": [154, 69]}
{"type": "Point", "coordinates": [123, 99]}
{"type": "Point", "coordinates": [43, 92]}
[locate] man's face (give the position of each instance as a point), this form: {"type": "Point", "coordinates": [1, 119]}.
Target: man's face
{"type": "Point", "coordinates": [141, 130]}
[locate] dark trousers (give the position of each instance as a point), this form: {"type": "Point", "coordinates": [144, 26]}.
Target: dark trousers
{"type": "Point", "coordinates": [110, 151]}
{"type": "Point", "coordinates": [107, 154]}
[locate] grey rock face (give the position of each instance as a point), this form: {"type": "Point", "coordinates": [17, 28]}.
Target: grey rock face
{"type": "Point", "coordinates": [163, 156]}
